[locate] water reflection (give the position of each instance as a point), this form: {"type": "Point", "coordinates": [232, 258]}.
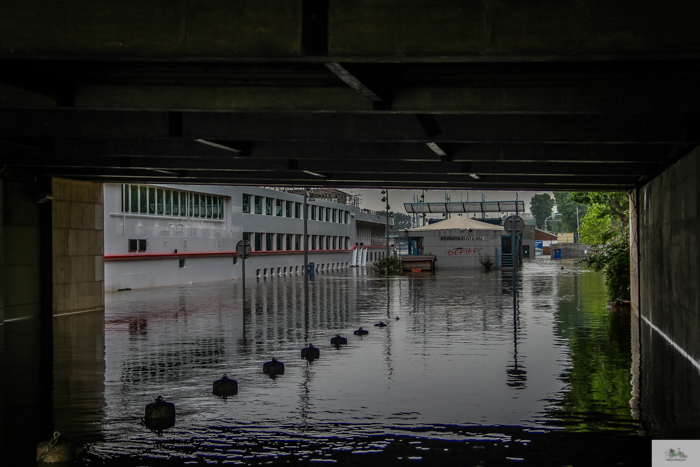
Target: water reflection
{"type": "Point", "coordinates": [461, 364]}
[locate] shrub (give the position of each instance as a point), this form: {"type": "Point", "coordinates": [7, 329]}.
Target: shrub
{"type": "Point", "coordinates": [388, 265]}
{"type": "Point", "coordinates": [486, 262]}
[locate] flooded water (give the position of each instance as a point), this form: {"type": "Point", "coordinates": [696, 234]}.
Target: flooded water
{"type": "Point", "coordinates": [464, 376]}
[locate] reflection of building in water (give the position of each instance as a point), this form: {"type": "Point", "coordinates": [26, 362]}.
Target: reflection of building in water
{"type": "Point", "coordinates": [276, 311]}
{"type": "Point", "coordinates": [169, 361]}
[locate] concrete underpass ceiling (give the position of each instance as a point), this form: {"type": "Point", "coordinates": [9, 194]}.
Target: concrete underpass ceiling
{"type": "Point", "coordinates": [374, 100]}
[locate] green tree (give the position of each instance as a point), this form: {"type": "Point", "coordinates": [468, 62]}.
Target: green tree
{"type": "Point", "coordinates": [541, 207]}
{"type": "Point", "coordinates": [571, 211]}
{"type": "Point", "coordinates": [605, 225]}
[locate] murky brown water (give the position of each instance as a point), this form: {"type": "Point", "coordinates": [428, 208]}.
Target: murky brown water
{"type": "Point", "coordinates": [459, 377]}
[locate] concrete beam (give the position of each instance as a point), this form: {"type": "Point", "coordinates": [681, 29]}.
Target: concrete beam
{"type": "Point", "coordinates": [358, 127]}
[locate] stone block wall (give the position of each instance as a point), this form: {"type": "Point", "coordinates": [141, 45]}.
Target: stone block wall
{"type": "Point", "coordinates": [78, 246]}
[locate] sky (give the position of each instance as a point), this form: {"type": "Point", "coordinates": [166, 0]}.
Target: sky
{"type": "Point", "coordinates": [371, 199]}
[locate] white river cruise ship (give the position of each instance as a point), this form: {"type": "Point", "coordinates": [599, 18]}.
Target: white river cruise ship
{"type": "Point", "coordinates": [159, 235]}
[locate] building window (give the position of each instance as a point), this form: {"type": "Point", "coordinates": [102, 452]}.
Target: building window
{"type": "Point", "coordinates": [268, 242]}
{"type": "Point", "coordinates": [182, 263]}
{"type": "Point", "coordinates": [258, 242]}
{"type": "Point", "coordinates": [278, 207]}
{"type": "Point", "coordinates": [258, 204]}
{"type": "Point", "coordinates": [268, 206]}
{"type": "Point", "coordinates": [288, 209]}
{"type": "Point", "coordinates": [246, 204]}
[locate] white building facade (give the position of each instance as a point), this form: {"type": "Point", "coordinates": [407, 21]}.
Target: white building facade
{"type": "Point", "coordinates": [158, 235]}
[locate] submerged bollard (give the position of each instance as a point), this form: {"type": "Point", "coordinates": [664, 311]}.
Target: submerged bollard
{"type": "Point", "coordinates": [310, 353]}
{"type": "Point", "coordinates": [337, 341]}
{"type": "Point", "coordinates": [160, 414]}
{"type": "Point", "coordinates": [55, 450]}
{"type": "Point", "coordinates": [273, 367]}
{"type": "Point", "coordinates": [225, 387]}
{"type": "Point", "coordinates": [361, 332]}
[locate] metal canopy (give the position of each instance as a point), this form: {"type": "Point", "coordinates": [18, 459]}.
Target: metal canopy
{"type": "Point", "coordinates": [470, 206]}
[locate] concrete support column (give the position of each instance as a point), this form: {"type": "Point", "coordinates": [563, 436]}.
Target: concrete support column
{"type": "Point", "coordinates": [78, 250]}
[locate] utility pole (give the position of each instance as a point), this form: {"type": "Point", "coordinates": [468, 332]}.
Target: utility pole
{"type": "Point", "coordinates": [386, 199]}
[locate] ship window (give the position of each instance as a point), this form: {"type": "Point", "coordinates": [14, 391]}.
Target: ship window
{"type": "Point", "coordinates": [328, 242]}
{"type": "Point", "coordinates": [133, 244]}
{"type": "Point", "coordinates": [134, 198]}
{"type": "Point", "coordinates": [167, 202]}
{"type": "Point", "coordinates": [196, 205]}
{"type": "Point", "coordinates": [313, 242]}
{"type": "Point", "coordinates": [202, 206]}
{"type": "Point", "coordinates": [268, 206]}
{"type": "Point", "coordinates": [334, 214]}
{"type": "Point", "coordinates": [181, 263]}
{"type": "Point", "coordinates": [288, 245]}
{"type": "Point", "coordinates": [142, 245]}
{"type": "Point", "coordinates": [288, 209]}
{"type": "Point", "coordinates": [246, 203]}
{"type": "Point", "coordinates": [278, 211]}
{"type": "Point", "coordinates": [279, 241]}
{"type": "Point", "coordinates": [258, 205]}
{"type": "Point", "coordinates": [215, 207]}
{"type": "Point", "coordinates": [209, 208]}
{"type": "Point", "coordinates": [346, 217]}
{"type": "Point", "coordinates": [142, 199]}
{"type": "Point", "coordinates": [246, 236]}
{"type": "Point", "coordinates": [151, 200]}
{"type": "Point", "coordinates": [258, 241]}
{"type": "Point", "coordinates": [334, 243]}
{"type": "Point", "coordinates": [297, 242]}
{"type": "Point", "coordinates": [313, 213]}
{"type": "Point", "coordinates": [320, 213]}
{"type": "Point", "coordinates": [221, 207]}
{"type": "Point", "coordinates": [297, 210]}
{"type": "Point", "coordinates": [268, 242]}
{"type": "Point", "coordinates": [183, 203]}
{"type": "Point", "coordinates": [328, 214]}
{"type": "Point", "coordinates": [159, 204]}
{"type": "Point", "coordinates": [125, 198]}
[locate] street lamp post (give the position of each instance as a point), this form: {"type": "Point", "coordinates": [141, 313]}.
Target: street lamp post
{"type": "Point", "coordinates": [386, 199]}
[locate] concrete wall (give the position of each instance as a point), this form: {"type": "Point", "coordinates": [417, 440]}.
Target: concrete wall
{"type": "Point", "coordinates": [461, 254]}
{"type": "Point", "coordinates": [669, 256]}
{"type": "Point", "coordinates": [20, 250]}
{"type": "Point", "coordinates": [78, 252]}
